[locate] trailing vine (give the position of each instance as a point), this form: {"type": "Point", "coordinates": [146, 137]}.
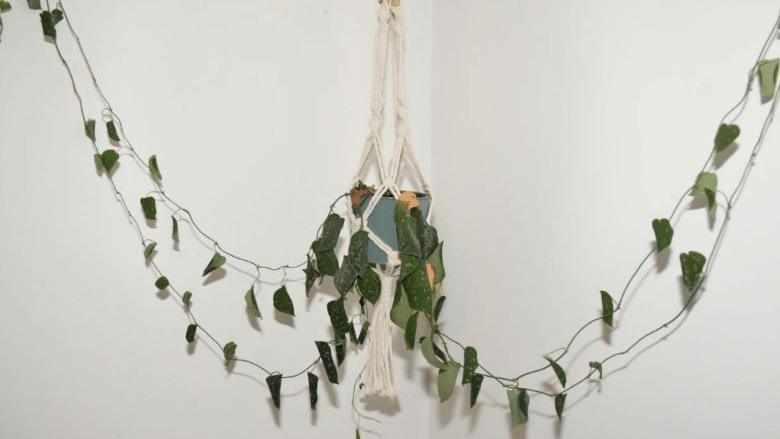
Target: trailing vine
{"type": "Point", "coordinates": [418, 298]}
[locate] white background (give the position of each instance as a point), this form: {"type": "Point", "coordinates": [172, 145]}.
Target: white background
{"type": "Point", "coordinates": [554, 133]}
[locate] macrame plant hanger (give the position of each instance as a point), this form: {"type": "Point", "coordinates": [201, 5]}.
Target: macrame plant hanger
{"type": "Point", "coordinates": [376, 214]}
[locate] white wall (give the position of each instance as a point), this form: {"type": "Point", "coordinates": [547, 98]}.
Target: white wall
{"type": "Point", "coordinates": [576, 123]}
{"type": "Point", "coordinates": [582, 121]}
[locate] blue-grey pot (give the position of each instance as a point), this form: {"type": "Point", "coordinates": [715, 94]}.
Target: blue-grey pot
{"type": "Point", "coordinates": [382, 223]}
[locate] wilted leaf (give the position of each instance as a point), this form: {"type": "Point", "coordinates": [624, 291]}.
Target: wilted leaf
{"type": "Point", "coordinates": [282, 301]}
{"type": "Point", "coordinates": [560, 401]}
{"type": "Point", "coordinates": [251, 303]}
{"type": "Point", "coordinates": [767, 77]}
{"type": "Point", "coordinates": [313, 382]}
{"type": "Point", "coordinates": [327, 361]}
{"type": "Point", "coordinates": [596, 365]}
{"type": "Point", "coordinates": [400, 311]}
{"type": "Point", "coordinates": [470, 364]}
{"type": "Point", "coordinates": [229, 351]}
{"type": "Point", "coordinates": [692, 264]}
{"type": "Point", "coordinates": [89, 129]}
{"type": "Point", "coordinates": [410, 332]}
{"type": "Point", "coordinates": [149, 206]}
{"type": "Point", "coordinates": [725, 136]}
{"type": "Point", "coordinates": [216, 261]}
{"type": "Point", "coordinates": [275, 386]}
{"type": "Point", "coordinates": [518, 405]}
{"type": "Point", "coordinates": [108, 159]}
{"type": "Point", "coordinates": [338, 317]}
{"type": "Point", "coordinates": [426, 347]}
{"type": "Point", "coordinates": [476, 385]}
{"type": "Point", "coordinates": [358, 195]}
{"type": "Point", "coordinates": [161, 283]}
{"type": "Point", "coordinates": [607, 308]}
{"type": "Point", "coordinates": [154, 168]}
{"type": "Point", "coordinates": [558, 371]}
{"type": "Point", "coordinates": [331, 229]}
{"type": "Point", "coordinates": [190, 335]}
{"type": "Point", "coordinates": [663, 234]}
{"type": "Point", "coordinates": [445, 381]}
{"type": "Point", "coordinates": [175, 230]}
{"type": "Point", "coordinates": [370, 286]}
{"type": "Point", "coordinates": [358, 251]}
{"type": "Point", "coordinates": [149, 249]}
{"type": "Point", "coordinates": [345, 276]}
{"type": "Point", "coordinates": [111, 130]}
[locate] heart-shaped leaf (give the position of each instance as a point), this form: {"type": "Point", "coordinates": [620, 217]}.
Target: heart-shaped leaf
{"type": "Point", "coordinates": [161, 283]}
{"type": "Point", "coordinates": [190, 335]}
{"type": "Point", "coordinates": [705, 180]}
{"type": "Point", "coordinates": [154, 169]}
{"type": "Point", "coordinates": [518, 405]}
{"type": "Point", "coordinates": [663, 234]}
{"type": "Point", "coordinates": [358, 251]}
{"type": "Point", "coordinates": [327, 361]}
{"type": "Point", "coordinates": [369, 285]}
{"type": "Point", "coordinates": [410, 332]}
{"type": "Point", "coordinates": [725, 136]}
{"type": "Point", "coordinates": [476, 385]}
{"type": "Point", "coordinates": [338, 316]}
{"type": "Point", "coordinates": [216, 261]}
{"type": "Point", "coordinates": [89, 129]}
{"type": "Point", "coordinates": [331, 229]}
{"type": "Point", "coordinates": [251, 303]}
{"type": "Point", "coordinates": [597, 366]}
{"type": "Point", "coordinates": [560, 402]}
{"type": "Point", "coordinates": [345, 276]}
{"type": "Point", "coordinates": [229, 351]}
{"type": "Point", "coordinates": [558, 371]}
{"type": "Point", "coordinates": [149, 206]}
{"type": "Point", "coordinates": [111, 130]}
{"type": "Point", "coordinates": [692, 264]}
{"type": "Point", "coordinates": [274, 382]}
{"type": "Point", "coordinates": [767, 77]}
{"type": "Point", "coordinates": [282, 301]}
{"type": "Point", "coordinates": [108, 159]}
{"type": "Point", "coordinates": [313, 382]}
{"type": "Point", "coordinates": [470, 364]}
{"type": "Point", "coordinates": [445, 381]}
{"type": "Point", "coordinates": [607, 309]}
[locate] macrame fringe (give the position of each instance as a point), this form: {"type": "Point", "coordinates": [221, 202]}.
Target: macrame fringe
{"type": "Point", "coordinates": [379, 378]}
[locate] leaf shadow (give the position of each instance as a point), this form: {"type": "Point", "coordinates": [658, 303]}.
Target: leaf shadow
{"type": "Point", "coordinates": [214, 276]}
{"type": "Point", "coordinates": [284, 319]}
{"type": "Point", "coordinates": [163, 294]}
{"type": "Point", "coordinates": [254, 321]}
{"type": "Point", "coordinates": [721, 157]}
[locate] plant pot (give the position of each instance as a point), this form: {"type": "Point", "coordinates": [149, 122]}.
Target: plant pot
{"type": "Point", "coordinates": [382, 223]}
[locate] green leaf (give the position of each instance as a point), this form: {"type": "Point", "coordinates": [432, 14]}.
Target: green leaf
{"type": "Point", "coordinates": [190, 335]}
{"type": "Point", "coordinates": [98, 163]}
{"type": "Point", "coordinates": [358, 251]}
{"type": "Point", "coordinates": [363, 332]}
{"type": "Point", "coordinates": [470, 364]}
{"type": "Point", "coordinates": [406, 230]}
{"type": "Point", "coordinates": [439, 306]}
{"type": "Point", "coordinates": [767, 77]}
{"type": "Point", "coordinates": [476, 385]}
{"type": "Point", "coordinates": [251, 303]}
{"type": "Point", "coordinates": [4, 6]}
{"type": "Point", "coordinates": [313, 382]}
{"type": "Point", "coordinates": [445, 381]}
{"type": "Point", "coordinates": [327, 263]}
{"type": "Point", "coordinates": [410, 332]}
{"type": "Point", "coordinates": [111, 129]}
{"type": "Point", "coordinates": [427, 234]}
{"type": "Point", "coordinates": [338, 317]}
{"type": "Point", "coordinates": [275, 386]}
{"type": "Point", "coordinates": [357, 433]}
{"type": "Point", "coordinates": [419, 290]}
{"type": "Point", "coordinates": [175, 230]}
{"type": "Point", "coordinates": [401, 311]}
{"type": "Point", "coordinates": [705, 180]}
{"type": "Point", "coordinates": [597, 366]}
{"type": "Point", "coordinates": [663, 233]}
{"type": "Point", "coordinates": [89, 129]}
{"type": "Point", "coordinates": [558, 371]}
{"type": "Point", "coordinates": [161, 283]}
{"type": "Point", "coordinates": [369, 285]}
{"type": "Point", "coordinates": [725, 136]}
{"type": "Point", "coordinates": [154, 168]}
{"type": "Point", "coordinates": [187, 298]}
{"type": "Point", "coordinates": [229, 351]}
{"type": "Point", "coordinates": [426, 347]}
{"type": "Point", "coordinates": [47, 23]}
{"type": "Point", "coordinates": [560, 401]}
{"type": "Point", "coordinates": [56, 16]}
{"type": "Point", "coordinates": [438, 264]}
{"type": "Point", "coordinates": [149, 206]}
{"type": "Point", "coordinates": [711, 202]}
{"type": "Point", "coordinates": [331, 229]}
{"type": "Point", "coordinates": [282, 301]}
{"type": "Point", "coordinates": [149, 249]}
{"type": "Point", "coordinates": [108, 159]}
{"type": "Point", "coordinates": [311, 274]}
{"type": "Point", "coordinates": [607, 309]}
{"type": "Point", "coordinates": [409, 263]}
{"type": "Point", "coordinates": [692, 264]}
{"type": "Point", "coordinates": [341, 348]}
{"type": "Point", "coordinates": [345, 276]}
{"type": "Point", "coordinates": [216, 261]}
{"type": "Point", "coordinates": [518, 405]}
{"type": "Point", "coordinates": [34, 4]}
{"type": "Point", "coordinates": [327, 361]}
{"type": "Point", "coordinates": [352, 334]}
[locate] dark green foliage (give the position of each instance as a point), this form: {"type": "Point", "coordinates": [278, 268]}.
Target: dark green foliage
{"type": "Point", "coordinates": [363, 332]}
{"type": "Point", "coordinates": [558, 371]}
{"type": "Point", "coordinates": [216, 261]}
{"type": "Point", "coordinates": [341, 348]}
{"type": "Point", "coordinates": [282, 301]}
{"type": "Point", "coordinates": [439, 306]}
{"type": "Point", "coordinates": [313, 383]}
{"type": "Point", "coordinates": [692, 264]}
{"type": "Point", "coordinates": [149, 249]}
{"type": "Point", "coordinates": [175, 229]}
{"type": "Point", "coordinates": [251, 303]}
{"type": "Point", "coordinates": [470, 364]}
{"type": "Point", "coordinates": [111, 130]}
{"type": "Point", "coordinates": [47, 23]}
{"type": "Point", "coordinates": [345, 276]}
{"type": "Point", "coordinates": [663, 233]}
{"type": "Point", "coordinates": [229, 351]}
{"type": "Point", "coordinates": [596, 365]}
{"type": "Point", "coordinates": [149, 206]}
{"type": "Point", "coordinates": [607, 308]}
{"type": "Point", "coordinates": [418, 290]}
{"type": "Point", "coordinates": [34, 4]}
{"type": "Point", "coordinates": [560, 402]}
{"type": "Point", "coordinates": [89, 129]}
{"type": "Point", "coordinates": [154, 169]}
{"type": "Point", "coordinates": [190, 335]}
{"type": "Point", "coordinates": [358, 251]}
{"type": "Point", "coordinates": [275, 386]}
{"type": "Point", "coordinates": [311, 274]}
{"type": "Point", "coordinates": [338, 316]}
{"type": "Point", "coordinates": [725, 136]}
{"type": "Point", "coordinates": [161, 283]}
{"type": "Point", "coordinates": [108, 159]}
{"type": "Point", "coordinates": [476, 385]}
{"type": "Point", "coordinates": [331, 229]}
{"type": "Point", "coordinates": [327, 361]}
{"type": "Point", "coordinates": [410, 332]}
{"type": "Point", "coordinates": [369, 285]}
{"type": "Point", "coordinates": [187, 298]}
